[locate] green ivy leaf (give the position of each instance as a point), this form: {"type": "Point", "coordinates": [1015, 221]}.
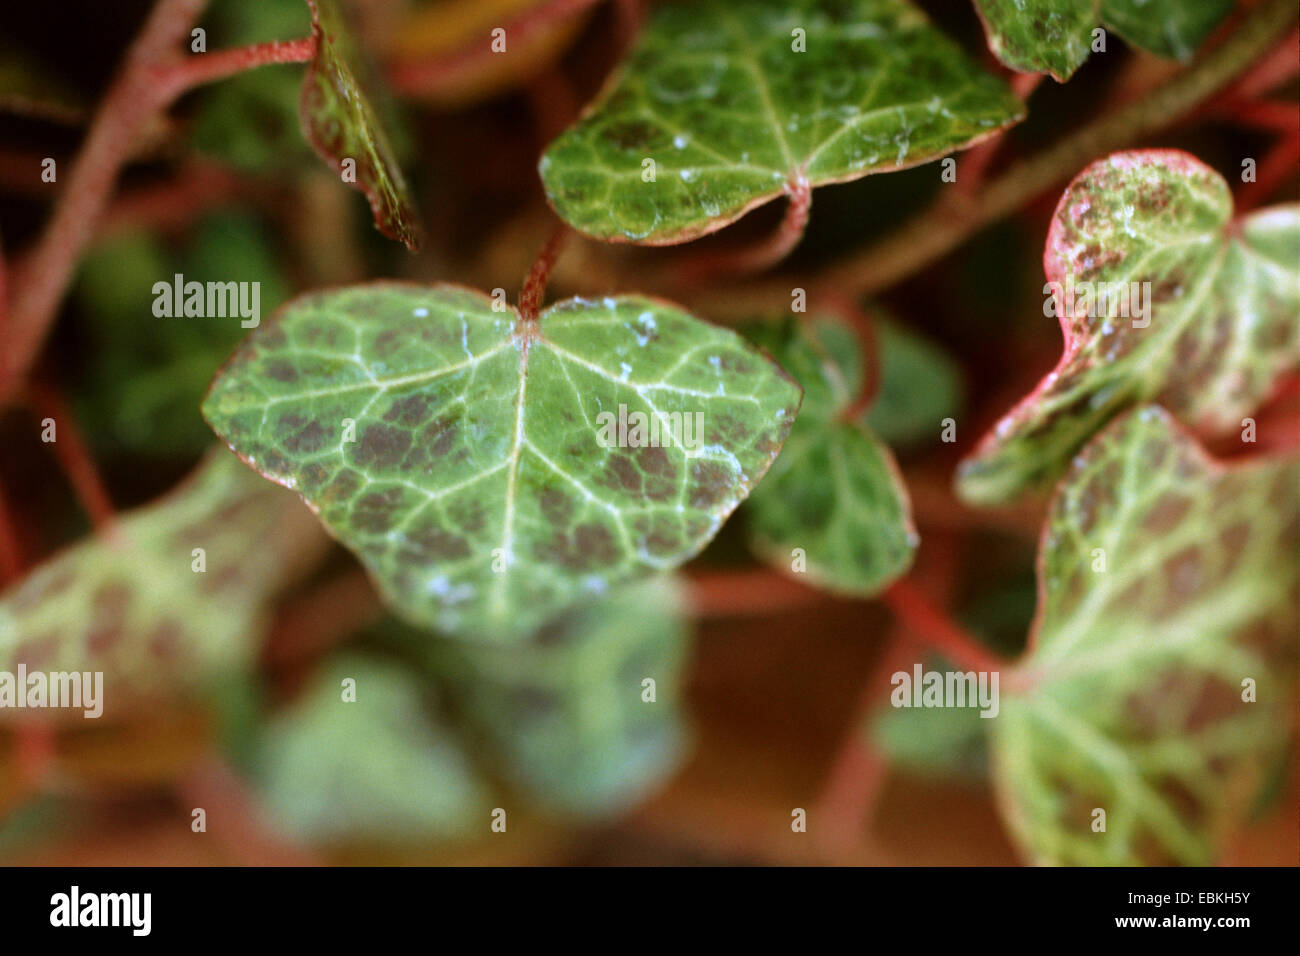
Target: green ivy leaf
{"type": "Point", "coordinates": [478, 489]}
{"type": "Point", "coordinates": [565, 716]}
{"type": "Point", "coordinates": [1171, 28]}
{"type": "Point", "coordinates": [143, 389]}
{"type": "Point", "coordinates": [1134, 687]}
{"type": "Point", "coordinates": [1055, 36]}
{"type": "Point", "coordinates": [375, 768]}
{"type": "Point", "coordinates": [920, 386]}
{"type": "Point", "coordinates": [137, 610]}
{"type": "Point", "coordinates": [835, 493]}
{"type": "Point", "coordinates": [1040, 36]}
{"type": "Point", "coordinates": [735, 107]}
{"type": "Point", "coordinates": [338, 118]}
{"type": "Point", "coordinates": [1222, 322]}
{"type": "Point", "coordinates": [933, 741]}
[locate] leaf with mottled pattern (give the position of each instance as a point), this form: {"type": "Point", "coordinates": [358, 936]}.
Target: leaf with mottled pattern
{"type": "Point", "coordinates": [1055, 36]}
{"type": "Point", "coordinates": [376, 768]}
{"type": "Point", "coordinates": [341, 124]}
{"type": "Point", "coordinates": [481, 489]}
{"type": "Point", "coordinates": [1166, 580]}
{"type": "Point", "coordinates": [733, 115]}
{"type": "Point", "coordinates": [1222, 317]}
{"type": "Point", "coordinates": [564, 716]}
{"type": "Point", "coordinates": [132, 605]}
{"type": "Point", "coordinates": [835, 491]}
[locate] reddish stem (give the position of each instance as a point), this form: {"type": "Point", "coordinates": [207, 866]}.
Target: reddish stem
{"type": "Point", "coordinates": [1262, 114]}
{"type": "Point", "coordinates": [859, 772]}
{"type": "Point", "coordinates": [782, 242]}
{"type": "Point", "coordinates": [631, 15]}
{"type": "Point", "coordinates": [12, 563]}
{"type": "Point", "coordinates": [1270, 71]}
{"type": "Point", "coordinates": [76, 460]}
{"type": "Point", "coordinates": [746, 593]}
{"type": "Point", "coordinates": [133, 98]}
{"type": "Point", "coordinates": [938, 631]}
{"type": "Point", "coordinates": [766, 253]}
{"type": "Point", "coordinates": [152, 76]}
{"type": "Point", "coordinates": [323, 618]}
{"type": "Point", "coordinates": [234, 819]}
{"type": "Point", "coordinates": [196, 188]}
{"type": "Point", "coordinates": [199, 68]}
{"type": "Point", "coordinates": [534, 290]}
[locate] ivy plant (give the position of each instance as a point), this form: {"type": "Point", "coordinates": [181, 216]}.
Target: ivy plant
{"type": "Point", "coordinates": [453, 561]}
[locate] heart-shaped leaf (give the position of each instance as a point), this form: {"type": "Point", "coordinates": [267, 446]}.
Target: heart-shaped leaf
{"type": "Point", "coordinates": [833, 510]}
{"type": "Point", "coordinates": [1160, 296]}
{"type": "Point", "coordinates": [375, 768]}
{"type": "Point", "coordinates": [721, 108]}
{"type": "Point", "coordinates": [491, 471]}
{"type": "Point", "coordinates": [1055, 36]}
{"type": "Point", "coordinates": [157, 615]}
{"type": "Point", "coordinates": [586, 718]}
{"type": "Point", "coordinates": [1160, 683]}
{"type": "Point", "coordinates": [338, 118]}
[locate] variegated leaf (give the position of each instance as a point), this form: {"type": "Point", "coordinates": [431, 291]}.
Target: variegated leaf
{"type": "Point", "coordinates": [490, 471]}
{"type": "Point", "coordinates": [340, 122]}
{"type": "Point", "coordinates": [568, 718]}
{"type": "Point", "coordinates": [1201, 313]}
{"type": "Point", "coordinates": [376, 767]}
{"type": "Point", "coordinates": [1160, 683]}
{"type": "Point", "coordinates": [729, 106]}
{"type": "Point", "coordinates": [834, 509]}
{"type": "Point", "coordinates": [1055, 36]}
{"type": "Point", "coordinates": [174, 600]}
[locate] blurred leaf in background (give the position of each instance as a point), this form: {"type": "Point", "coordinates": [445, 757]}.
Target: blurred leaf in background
{"type": "Point", "coordinates": [920, 386]}
{"type": "Point", "coordinates": [250, 120]}
{"type": "Point", "coordinates": [172, 601]}
{"type": "Point", "coordinates": [566, 718]}
{"type": "Point", "coordinates": [377, 768]}
{"type": "Point", "coordinates": [142, 392]}
{"type": "Point", "coordinates": [834, 493]}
